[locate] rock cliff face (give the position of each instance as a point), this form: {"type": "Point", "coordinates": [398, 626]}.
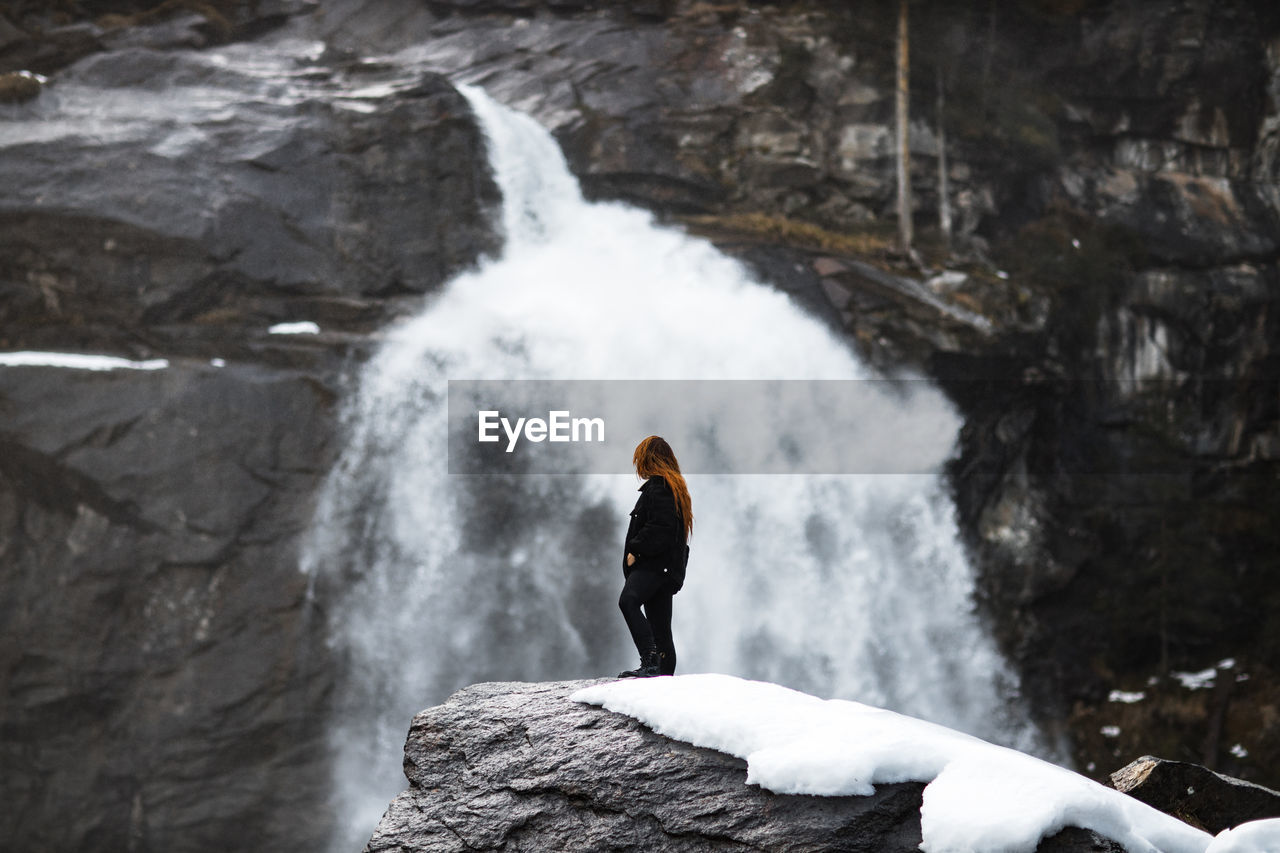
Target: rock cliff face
{"type": "Point", "coordinates": [164, 669]}
{"type": "Point", "coordinates": [521, 767]}
{"type": "Point", "coordinates": [161, 675]}
{"type": "Point", "coordinates": [1108, 332]}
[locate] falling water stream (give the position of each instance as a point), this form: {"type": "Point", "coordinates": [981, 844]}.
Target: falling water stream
{"type": "Point", "coordinates": [849, 586]}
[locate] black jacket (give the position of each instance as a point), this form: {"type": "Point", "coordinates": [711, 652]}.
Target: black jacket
{"type": "Point", "coordinates": [656, 533]}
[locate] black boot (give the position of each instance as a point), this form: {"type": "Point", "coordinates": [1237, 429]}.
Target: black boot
{"type": "Point", "coordinates": [649, 666]}
{"type": "Point", "coordinates": [667, 663]}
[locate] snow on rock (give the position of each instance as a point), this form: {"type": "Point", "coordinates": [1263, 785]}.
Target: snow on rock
{"type": "Point", "coordinates": [304, 327]}
{"type": "Point", "coordinates": [980, 796]}
{"type": "Point", "coordinates": [1258, 836]}
{"type": "Point", "coordinates": [1126, 697]}
{"type": "Point", "coordinates": [1202, 680]}
{"type": "Point", "coordinates": [77, 361]}
{"type": "Point", "coordinates": [1206, 678]}
{"type": "Point", "coordinates": [518, 766]}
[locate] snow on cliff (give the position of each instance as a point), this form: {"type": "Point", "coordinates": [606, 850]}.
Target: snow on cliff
{"type": "Point", "coordinates": [77, 361]}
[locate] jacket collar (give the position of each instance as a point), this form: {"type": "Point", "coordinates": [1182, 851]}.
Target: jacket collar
{"type": "Point", "coordinates": [652, 483]}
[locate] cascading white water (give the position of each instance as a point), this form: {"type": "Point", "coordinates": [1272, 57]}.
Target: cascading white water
{"type": "Point", "coordinates": [843, 586]}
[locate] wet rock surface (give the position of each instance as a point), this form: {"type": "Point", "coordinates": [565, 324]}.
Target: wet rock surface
{"type": "Point", "coordinates": [520, 766]}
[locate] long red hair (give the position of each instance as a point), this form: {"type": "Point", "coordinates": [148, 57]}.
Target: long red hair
{"type": "Point", "coordinates": [654, 458]}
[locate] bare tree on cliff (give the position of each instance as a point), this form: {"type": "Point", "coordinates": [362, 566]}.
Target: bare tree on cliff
{"type": "Point", "coordinates": [944, 184]}
{"type": "Point", "coordinates": [904, 153]}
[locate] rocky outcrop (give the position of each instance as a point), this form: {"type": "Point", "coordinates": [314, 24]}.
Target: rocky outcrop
{"type": "Point", "coordinates": [164, 673]}
{"type": "Point", "coordinates": [520, 766]}
{"type": "Point", "coordinates": [169, 201]}
{"type": "Point", "coordinates": [46, 37]}
{"type": "Point", "coordinates": [1195, 794]}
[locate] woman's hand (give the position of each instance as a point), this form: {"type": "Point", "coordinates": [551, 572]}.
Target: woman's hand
{"type": "Point", "coordinates": [631, 558]}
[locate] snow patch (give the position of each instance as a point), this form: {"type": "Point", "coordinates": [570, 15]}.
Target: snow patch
{"type": "Point", "coordinates": [1201, 680]}
{"type": "Point", "coordinates": [1125, 697]}
{"type": "Point", "coordinates": [978, 796]}
{"type": "Point", "coordinates": [78, 361]}
{"type": "Point", "coordinates": [946, 281]}
{"type": "Point", "coordinates": [1258, 836]}
{"type": "Point", "coordinates": [31, 75]}
{"type": "Point", "coordinates": [304, 327]}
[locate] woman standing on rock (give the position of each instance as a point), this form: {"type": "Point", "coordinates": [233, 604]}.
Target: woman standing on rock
{"type": "Point", "coordinates": [655, 556]}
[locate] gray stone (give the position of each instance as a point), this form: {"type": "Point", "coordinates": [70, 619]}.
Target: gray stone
{"type": "Point", "coordinates": [837, 293]}
{"type": "Point", "coordinates": [185, 30]}
{"type": "Point", "coordinates": [518, 766]}
{"type": "Point", "coordinates": [158, 640]}
{"type": "Point", "coordinates": [168, 187]}
{"type": "Point", "coordinates": [46, 43]}
{"type": "Point", "coordinates": [9, 34]}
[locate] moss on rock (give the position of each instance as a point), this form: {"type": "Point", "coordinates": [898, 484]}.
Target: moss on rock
{"type": "Point", "coordinates": [19, 86]}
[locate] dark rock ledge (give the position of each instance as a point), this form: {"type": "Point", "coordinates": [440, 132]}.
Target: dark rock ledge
{"type": "Point", "coordinates": [518, 766]}
{"type": "Point", "coordinates": [1211, 801]}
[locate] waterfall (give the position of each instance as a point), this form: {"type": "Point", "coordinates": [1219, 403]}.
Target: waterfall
{"type": "Point", "coordinates": [843, 586]}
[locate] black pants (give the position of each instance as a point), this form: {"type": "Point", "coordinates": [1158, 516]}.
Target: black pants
{"type": "Point", "coordinates": [649, 587]}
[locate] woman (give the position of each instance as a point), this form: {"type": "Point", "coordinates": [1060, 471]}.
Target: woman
{"type": "Point", "coordinates": [654, 558]}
